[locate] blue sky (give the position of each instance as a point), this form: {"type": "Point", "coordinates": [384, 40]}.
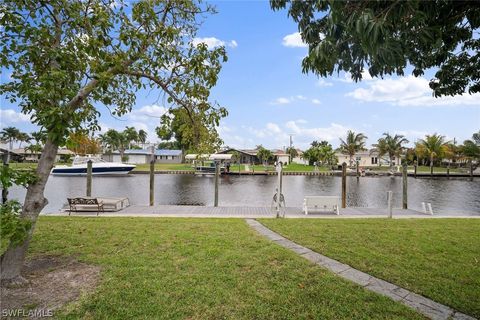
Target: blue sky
{"type": "Point", "coordinates": [269, 98]}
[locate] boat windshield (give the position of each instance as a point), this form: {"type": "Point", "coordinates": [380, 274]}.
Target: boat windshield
{"type": "Point", "coordinates": [83, 160]}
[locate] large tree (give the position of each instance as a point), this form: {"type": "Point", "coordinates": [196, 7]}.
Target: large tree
{"type": "Point", "coordinates": [68, 57]}
{"type": "Point", "coordinates": [387, 36]}
{"type": "Point", "coordinates": [391, 146]}
{"type": "Point", "coordinates": [354, 143]}
{"type": "Point", "coordinates": [193, 131]}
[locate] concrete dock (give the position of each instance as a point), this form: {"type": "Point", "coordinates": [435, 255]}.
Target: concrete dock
{"type": "Point", "coordinates": [261, 212]}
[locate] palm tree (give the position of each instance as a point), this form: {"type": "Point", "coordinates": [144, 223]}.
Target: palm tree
{"type": "Point", "coordinates": [353, 144]}
{"type": "Point", "coordinates": [39, 136]}
{"type": "Point", "coordinates": [433, 146]}
{"type": "Point", "coordinates": [23, 137]}
{"type": "Point", "coordinates": [10, 135]}
{"type": "Point", "coordinates": [142, 137]}
{"type": "Point", "coordinates": [391, 146]}
{"type": "Point", "coordinates": [34, 148]}
{"type": "Point", "coordinates": [292, 153]}
{"type": "Point", "coordinates": [264, 154]}
{"type": "Point", "coordinates": [130, 135]}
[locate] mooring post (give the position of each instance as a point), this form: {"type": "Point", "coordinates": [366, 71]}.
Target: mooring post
{"type": "Point", "coordinates": [4, 189]}
{"type": "Point", "coordinates": [471, 170]}
{"type": "Point", "coordinates": [404, 194]}
{"type": "Point", "coordinates": [344, 185]}
{"type": "Point", "coordinates": [279, 187]}
{"type": "Point", "coordinates": [415, 169]}
{"type": "Point", "coordinates": [217, 173]}
{"type": "Point", "coordinates": [389, 203]}
{"type": "Point", "coordinates": [152, 182]}
{"type": "Point", "coordinates": [358, 169]}
{"type": "Point", "coordinates": [448, 171]}
{"type": "Point", "coordinates": [89, 178]}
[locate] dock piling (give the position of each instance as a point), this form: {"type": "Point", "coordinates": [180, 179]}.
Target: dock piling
{"type": "Point", "coordinates": [152, 182]}
{"type": "Point", "coordinates": [217, 173]}
{"type": "Point", "coordinates": [404, 193]}
{"type": "Point", "coordinates": [89, 178]}
{"type": "Point", "coordinates": [344, 185]}
{"type": "Point", "coordinates": [389, 203]}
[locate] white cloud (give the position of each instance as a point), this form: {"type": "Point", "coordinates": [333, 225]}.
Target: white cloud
{"type": "Point", "coordinates": [147, 113]}
{"type": "Point", "coordinates": [11, 116]}
{"type": "Point", "coordinates": [213, 42]}
{"type": "Point", "coordinates": [323, 83]}
{"type": "Point", "coordinates": [275, 135]}
{"type": "Point", "coordinates": [408, 91]}
{"type": "Point", "coordinates": [291, 99]}
{"type": "Point", "coordinates": [316, 101]}
{"type": "Point", "coordinates": [294, 40]}
{"type": "Point", "coordinates": [347, 77]}
{"type": "Point", "coordinates": [281, 100]}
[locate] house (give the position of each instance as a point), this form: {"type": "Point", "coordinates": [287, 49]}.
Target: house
{"type": "Point", "coordinates": [13, 156]}
{"type": "Point", "coordinates": [369, 158]}
{"type": "Point", "coordinates": [29, 156]}
{"type": "Point", "coordinates": [249, 156]}
{"type": "Point", "coordinates": [299, 158]}
{"type": "Point", "coordinates": [143, 156]}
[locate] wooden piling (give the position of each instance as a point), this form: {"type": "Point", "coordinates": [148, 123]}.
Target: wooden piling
{"type": "Point", "coordinates": [358, 170]}
{"type": "Point", "coordinates": [471, 170]}
{"type": "Point", "coordinates": [89, 178]}
{"type": "Point", "coordinates": [405, 191]}
{"type": "Point", "coordinates": [415, 168]}
{"type": "Point", "coordinates": [344, 185]}
{"type": "Point", "coordinates": [389, 203]}
{"type": "Point", "coordinates": [5, 190]}
{"type": "Point", "coordinates": [448, 172]}
{"type": "Point", "coordinates": [217, 173]}
{"type": "Point", "coordinates": [152, 182]}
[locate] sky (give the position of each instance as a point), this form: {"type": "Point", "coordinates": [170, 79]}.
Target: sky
{"type": "Point", "coordinates": [269, 99]}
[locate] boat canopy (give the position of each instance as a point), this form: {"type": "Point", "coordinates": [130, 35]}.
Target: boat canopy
{"type": "Point", "coordinates": [81, 160]}
{"type": "Point", "coordinates": [215, 156]}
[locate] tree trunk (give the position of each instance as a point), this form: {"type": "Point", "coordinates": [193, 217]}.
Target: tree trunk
{"type": "Point", "coordinates": [12, 260]}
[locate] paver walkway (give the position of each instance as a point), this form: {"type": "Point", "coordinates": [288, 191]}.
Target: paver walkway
{"type": "Point", "coordinates": [425, 306]}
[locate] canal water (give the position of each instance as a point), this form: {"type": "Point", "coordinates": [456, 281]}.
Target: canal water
{"type": "Point", "coordinates": [447, 196]}
{"type": "Point", "coordinates": [454, 196]}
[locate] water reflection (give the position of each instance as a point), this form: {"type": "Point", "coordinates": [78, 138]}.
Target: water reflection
{"type": "Point", "coordinates": [454, 195]}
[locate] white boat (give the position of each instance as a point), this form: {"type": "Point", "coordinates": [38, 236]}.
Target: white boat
{"type": "Point", "coordinates": [99, 167]}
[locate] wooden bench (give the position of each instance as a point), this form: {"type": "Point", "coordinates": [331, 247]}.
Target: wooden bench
{"type": "Point", "coordinates": [324, 203]}
{"type": "Point", "coordinates": [85, 204]}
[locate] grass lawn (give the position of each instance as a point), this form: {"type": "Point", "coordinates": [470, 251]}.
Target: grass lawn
{"type": "Point", "coordinates": [22, 165]}
{"type": "Point", "coordinates": [155, 268]}
{"type": "Point", "coordinates": [164, 166]}
{"type": "Point", "coordinates": [438, 258]}
{"type": "Point", "coordinates": [420, 169]}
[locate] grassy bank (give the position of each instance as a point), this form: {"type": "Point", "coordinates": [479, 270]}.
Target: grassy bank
{"type": "Point", "coordinates": [200, 269]}
{"type": "Point", "coordinates": [436, 258]}
{"type": "Point", "coordinates": [293, 167]}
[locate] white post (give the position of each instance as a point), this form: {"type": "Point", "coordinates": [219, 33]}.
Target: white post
{"type": "Point", "coordinates": [279, 187]}
{"type": "Point", "coordinates": [389, 203]}
{"type": "Point", "coordinates": [430, 210]}
{"type": "Point", "coordinates": [424, 208]}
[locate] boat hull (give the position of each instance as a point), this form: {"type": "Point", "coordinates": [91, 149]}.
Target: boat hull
{"type": "Point", "coordinates": [95, 171]}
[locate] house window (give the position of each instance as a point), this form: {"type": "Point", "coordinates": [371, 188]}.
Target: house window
{"type": "Point", "coordinates": [374, 160]}
{"type": "Point", "coordinates": [358, 158]}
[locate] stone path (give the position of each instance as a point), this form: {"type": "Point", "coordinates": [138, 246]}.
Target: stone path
{"type": "Point", "coordinates": [425, 306]}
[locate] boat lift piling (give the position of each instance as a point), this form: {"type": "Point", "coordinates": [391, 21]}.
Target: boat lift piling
{"type": "Point", "coordinates": [89, 178]}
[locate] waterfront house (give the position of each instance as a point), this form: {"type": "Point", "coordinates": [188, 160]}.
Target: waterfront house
{"type": "Point", "coordinates": [368, 158]}
{"type": "Point", "coordinates": [249, 156]}
{"type": "Point", "coordinates": [29, 156]}
{"type": "Point", "coordinates": [139, 156]}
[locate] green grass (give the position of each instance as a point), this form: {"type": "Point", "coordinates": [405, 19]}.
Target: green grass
{"type": "Point", "coordinates": [155, 268]}
{"type": "Point", "coordinates": [438, 258]}
{"type": "Point", "coordinates": [164, 166]}
{"type": "Point", "coordinates": [420, 169]}
{"type": "Point", "coordinates": [22, 165]}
